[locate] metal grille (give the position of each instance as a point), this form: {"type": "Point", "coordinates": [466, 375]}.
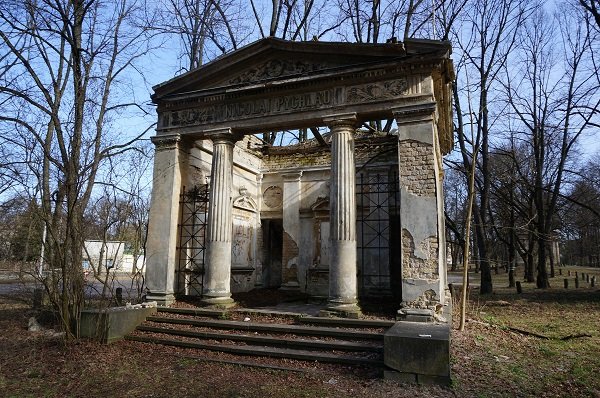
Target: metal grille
{"type": "Point", "coordinates": [377, 225]}
{"type": "Point", "coordinates": [192, 246]}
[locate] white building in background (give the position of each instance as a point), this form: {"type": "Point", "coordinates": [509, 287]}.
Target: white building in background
{"type": "Point", "coordinates": [110, 255]}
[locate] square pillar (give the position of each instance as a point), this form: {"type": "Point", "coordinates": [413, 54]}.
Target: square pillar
{"type": "Point", "coordinates": [170, 162]}
{"type": "Point", "coordinates": [423, 250]}
{"type": "Point", "coordinates": [292, 194]}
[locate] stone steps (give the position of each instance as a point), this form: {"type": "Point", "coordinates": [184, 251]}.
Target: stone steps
{"type": "Point", "coordinates": [302, 355]}
{"type": "Point", "coordinates": [271, 328]}
{"type": "Point", "coordinates": [332, 340]}
{"type": "Point", "coordinates": [338, 345]}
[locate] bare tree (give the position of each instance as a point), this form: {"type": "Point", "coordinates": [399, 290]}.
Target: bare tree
{"type": "Point", "coordinates": [71, 61]}
{"type": "Point", "coordinates": [555, 103]}
{"type": "Point", "coordinates": [593, 7]}
{"type": "Point", "coordinates": [486, 34]}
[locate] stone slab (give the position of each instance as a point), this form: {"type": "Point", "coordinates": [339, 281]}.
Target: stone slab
{"type": "Point", "coordinates": [272, 328]}
{"type": "Point", "coordinates": [419, 348]}
{"type": "Point", "coordinates": [277, 352]}
{"type": "Point", "coordinates": [111, 325]}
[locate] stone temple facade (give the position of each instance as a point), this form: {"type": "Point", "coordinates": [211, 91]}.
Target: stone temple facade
{"type": "Point", "coordinates": [350, 214]}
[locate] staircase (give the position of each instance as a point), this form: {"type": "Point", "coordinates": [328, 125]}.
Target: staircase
{"type": "Point", "coordinates": [268, 334]}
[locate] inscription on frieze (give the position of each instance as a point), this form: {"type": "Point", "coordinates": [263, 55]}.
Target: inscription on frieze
{"type": "Point", "coordinates": [220, 112]}
{"type": "Point", "coordinates": [258, 108]}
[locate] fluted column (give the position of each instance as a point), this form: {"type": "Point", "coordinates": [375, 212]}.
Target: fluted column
{"type": "Point", "coordinates": [342, 205]}
{"type": "Point", "coordinates": [217, 275]}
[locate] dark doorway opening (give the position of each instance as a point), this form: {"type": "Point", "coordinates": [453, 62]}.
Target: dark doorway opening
{"type": "Point", "coordinates": [273, 250]}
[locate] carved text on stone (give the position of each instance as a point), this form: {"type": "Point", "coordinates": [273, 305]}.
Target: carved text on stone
{"type": "Point", "coordinates": [339, 96]}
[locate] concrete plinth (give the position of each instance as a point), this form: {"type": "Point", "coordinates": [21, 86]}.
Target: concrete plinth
{"type": "Point", "coordinates": [113, 324]}
{"type": "Point", "coordinates": [419, 351]}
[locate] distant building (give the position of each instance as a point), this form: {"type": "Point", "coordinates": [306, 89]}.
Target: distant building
{"type": "Point", "coordinates": [101, 256]}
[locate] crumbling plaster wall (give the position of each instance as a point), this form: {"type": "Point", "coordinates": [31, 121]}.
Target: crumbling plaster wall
{"type": "Point", "coordinates": [421, 212]}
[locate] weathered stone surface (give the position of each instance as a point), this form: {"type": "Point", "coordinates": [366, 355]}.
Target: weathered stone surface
{"type": "Point", "coordinates": [217, 286]}
{"type": "Point", "coordinates": [305, 194]}
{"type": "Point", "coordinates": [170, 161]}
{"type": "Point", "coordinates": [343, 288]}
{"type": "Point", "coordinates": [113, 324]}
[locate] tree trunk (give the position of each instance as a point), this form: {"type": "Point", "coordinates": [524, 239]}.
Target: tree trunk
{"type": "Point", "coordinates": [542, 274]}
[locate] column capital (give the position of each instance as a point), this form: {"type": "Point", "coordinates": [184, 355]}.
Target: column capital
{"type": "Point", "coordinates": [166, 142]}
{"type": "Point", "coordinates": [223, 136]}
{"type": "Point", "coordinates": [415, 113]}
{"type": "Point", "coordinates": [341, 119]}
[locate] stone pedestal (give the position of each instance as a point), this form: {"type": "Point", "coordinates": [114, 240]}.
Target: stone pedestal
{"type": "Point", "coordinates": [291, 230]}
{"type": "Point", "coordinates": [342, 202]}
{"type": "Point", "coordinates": [217, 290]}
{"type": "Point", "coordinates": [170, 162]}
{"type": "Point", "coordinates": [418, 352]}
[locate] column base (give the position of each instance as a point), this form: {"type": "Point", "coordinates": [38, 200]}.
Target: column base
{"type": "Point", "coordinates": [351, 310]}
{"type": "Point", "coordinates": [291, 286]}
{"type": "Point", "coordinates": [161, 298]}
{"type": "Point", "coordinates": [218, 302]}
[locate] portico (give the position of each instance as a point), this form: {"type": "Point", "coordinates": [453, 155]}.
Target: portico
{"type": "Point", "coordinates": [272, 216]}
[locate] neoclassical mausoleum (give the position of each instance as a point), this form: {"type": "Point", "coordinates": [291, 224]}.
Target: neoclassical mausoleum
{"type": "Point", "coordinates": [356, 211]}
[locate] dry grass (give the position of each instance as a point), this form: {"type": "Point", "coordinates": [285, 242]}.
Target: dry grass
{"type": "Point", "coordinates": [488, 359]}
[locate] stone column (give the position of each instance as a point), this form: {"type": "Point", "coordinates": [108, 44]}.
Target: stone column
{"type": "Point", "coordinates": [342, 210]}
{"type": "Point", "coordinates": [217, 290]}
{"type": "Point", "coordinates": [170, 160]}
{"type": "Point", "coordinates": [421, 211]}
{"type": "Point", "coordinates": [291, 230]}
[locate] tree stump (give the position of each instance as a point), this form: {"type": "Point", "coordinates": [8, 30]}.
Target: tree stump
{"type": "Point", "coordinates": [519, 288]}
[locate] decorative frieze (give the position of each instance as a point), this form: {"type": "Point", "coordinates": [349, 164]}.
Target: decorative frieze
{"type": "Point", "coordinates": [229, 109]}
{"type": "Point", "coordinates": [376, 91]}
{"type": "Point", "coordinates": [276, 68]}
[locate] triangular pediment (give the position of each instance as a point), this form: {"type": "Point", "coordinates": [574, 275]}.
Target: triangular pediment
{"type": "Point", "coordinates": [271, 60]}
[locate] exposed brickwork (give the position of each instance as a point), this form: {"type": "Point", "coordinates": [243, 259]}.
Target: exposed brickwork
{"type": "Point", "coordinates": [415, 267]}
{"type": "Point", "coordinates": [417, 173]}
{"type": "Point", "coordinates": [275, 162]}
{"type": "Point", "coordinates": [428, 300]}
{"type": "Point", "coordinates": [311, 154]}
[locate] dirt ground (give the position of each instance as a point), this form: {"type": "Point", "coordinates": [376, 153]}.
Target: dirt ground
{"type": "Point", "coordinates": [534, 344]}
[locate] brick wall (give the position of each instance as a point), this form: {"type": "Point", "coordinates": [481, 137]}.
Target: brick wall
{"type": "Point", "coordinates": [417, 173]}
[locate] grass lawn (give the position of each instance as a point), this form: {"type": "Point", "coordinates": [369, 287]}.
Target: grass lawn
{"type": "Point", "coordinates": [494, 357]}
